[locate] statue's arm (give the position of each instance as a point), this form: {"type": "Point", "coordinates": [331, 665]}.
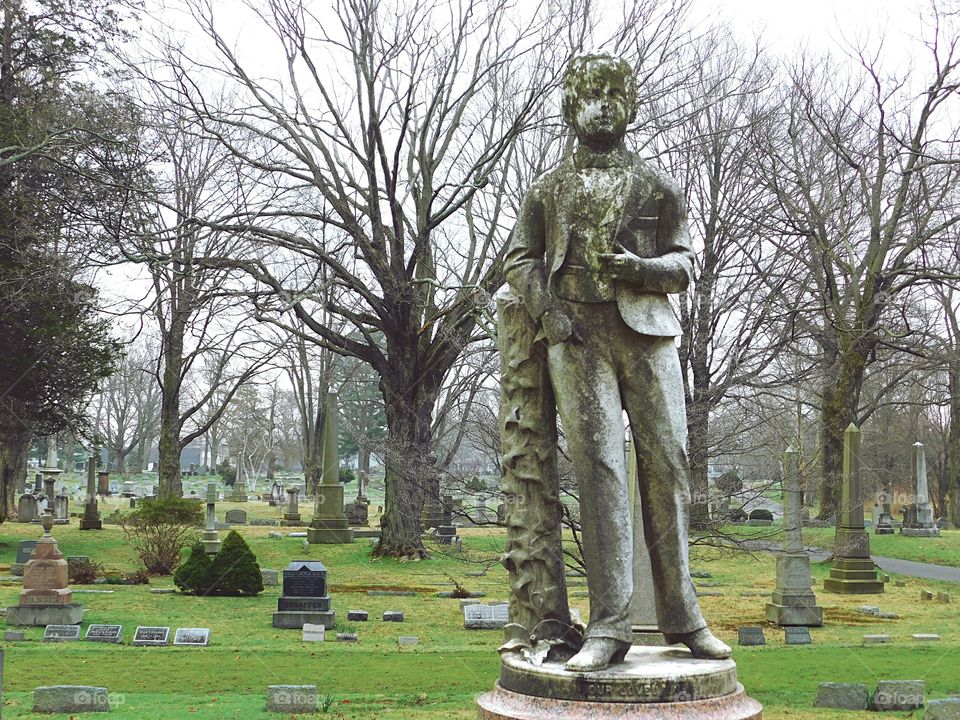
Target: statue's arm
{"type": "Point", "coordinates": [524, 264]}
{"type": "Point", "coordinates": [672, 270]}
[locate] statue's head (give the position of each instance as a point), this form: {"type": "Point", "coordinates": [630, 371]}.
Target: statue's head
{"type": "Point", "coordinates": [599, 97]}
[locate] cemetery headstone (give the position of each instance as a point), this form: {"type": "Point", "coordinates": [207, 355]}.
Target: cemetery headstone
{"type": "Point", "coordinates": [876, 639]}
{"type": "Point", "coordinates": [13, 635]}
{"type": "Point", "coordinates": [393, 616]}
{"type": "Point", "coordinates": [147, 635]}
{"type": "Point", "coordinates": [750, 635]}
{"type": "Point", "coordinates": [793, 601]}
{"type": "Point", "coordinates": [347, 637]}
{"type": "Point", "coordinates": [329, 524]}
{"type": "Point", "coordinates": [945, 709]}
{"type": "Point", "coordinates": [45, 598]}
{"type": "Point", "coordinates": [199, 637]}
{"type": "Point", "coordinates": [91, 515]}
{"type": "Point", "coordinates": [271, 578]}
{"type": "Point", "coordinates": [797, 635]}
{"type": "Point", "coordinates": [293, 699]}
{"type": "Point", "coordinates": [357, 615]}
{"type": "Point", "coordinates": [925, 637]}
{"type": "Point", "coordinates": [70, 699]}
{"type": "Point", "coordinates": [210, 538]}
{"type": "Point", "coordinates": [313, 633]}
{"type": "Point", "coordinates": [485, 617]}
{"type": "Point", "coordinates": [291, 517]}
{"type": "Point", "coordinates": [105, 633]}
{"type": "Point", "coordinates": [842, 696]}
{"type": "Point", "coordinates": [761, 517]}
{"type": "Point", "coordinates": [408, 640]}
{"type": "Point", "coordinates": [61, 633]}
{"type": "Point", "coordinates": [926, 595]}
{"type": "Point", "coordinates": [236, 517]}
{"type": "Point", "coordinates": [27, 510]}
{"type": "Point", "coordinates": [918, 516]}
{"type": "Point", "coordinates": [943, 597]}
{"type": "Point", "coordinates": [25, 550]}
{"type": "Point", "coordinates": [853, 571]}
{"type": "Point", "coordinates": [899, 695]}
{"type": "Point", "coordinates": [305, 598]}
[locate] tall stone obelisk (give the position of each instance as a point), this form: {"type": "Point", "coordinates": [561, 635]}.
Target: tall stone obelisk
{"type": "Point", "coordinates": [853, 571]}
{"type": "Point", "coordinates": [329, 524]}
{"type": "Point", "coordinates": [918, 516]}
{"type": "Point", "coordinates": [91, 516]}
{"type": "Point", "coordinates": [793, 602]}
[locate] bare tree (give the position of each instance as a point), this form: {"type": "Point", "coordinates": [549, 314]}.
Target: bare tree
{"type": "Point", "coordinates": [864, 169]}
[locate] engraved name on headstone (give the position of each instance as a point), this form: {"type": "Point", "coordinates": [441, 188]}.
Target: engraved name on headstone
{"type": "Point", "coordinates": [192, 636]}
{"type": "Point", "coordinates": [151, 635]}
{"type": "Point", "coordinates": [750, 635]}
{"type": "Point", "coordinates": [61, 633]}
{"type": "Point", "coordinates": [105, 633]}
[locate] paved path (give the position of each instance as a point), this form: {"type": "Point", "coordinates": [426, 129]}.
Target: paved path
{"type": "Point", "coordinates": [910, 568]}
{"type": "Point", "coordinates": [927, 571]}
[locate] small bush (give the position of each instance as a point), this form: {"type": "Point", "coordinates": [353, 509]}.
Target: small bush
{"type": "Point", "coordinates": [347, 476]}
{"type": "Point", "coordinates": [159, 529]}
{"type": "Point", "coordinates": [232, 572]}
{"type": "Point", "coordinates": [228, 473]}
{"type": "Point", "coordinates": [85, 571]}
{"type": "Point", "coordinates": [193, 576]}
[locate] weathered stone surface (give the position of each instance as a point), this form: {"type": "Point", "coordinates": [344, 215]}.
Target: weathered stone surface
{"type": "Point", "coordinates": [946, 709]}
{"type": "Point", "coordinates": [13, 635]}
{"type": "Point", "coordinates": [408, 640]}
{"type": "Point", "coordinates": [876, 639]}
{"type": "Point", "coordinates": [899, 695]}
{"type": "Point", "coordinates": [393, 616]}
{"type": "Point", "coordinates": [842, 696]}
{"type": "Point", "coordinates": [357, 615]}
{"type": "Point", "coordinates": [647, 675]}
{"type": "Point", "coordinates": [271, 578]}
{"type": "Point", "coordinates": [70, 699]}
{"type": "Point", "coordinates": [292, 699]}
{"type": "Point", "coordinates": [925, 637]}
{"type": "Point", "coordinates": [347, 637]}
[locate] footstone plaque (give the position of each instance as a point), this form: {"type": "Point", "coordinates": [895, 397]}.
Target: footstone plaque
{"type": "Point", "coordinates": [485, 617]}
{"type": "Point", "coordinates": [196, 637]}
{"type": "Point", "coordinates": [357, 615]}
{"type": "Point", "coordinates": [892, 695]}
{"type": "Point", "coordinates": [393, 616]}
{"type": "Point", "coordinates": [313, 633]}
{"type": "Point", "coordinates": [292, 699]}
{"type": "Point", "coordinates": [61, 633]}
{"type": "Point", "coordinates": [15, 635]}
{"type": "Point", "coordinates": [750, 635]}
{"type": "Point", "coordinates": [798, 635]}
{"type": "Point", "coordinates": [347, 637]}
{"type": "Point", "coordinates": [148, 635]}
{"type": "Point", "coordinates": [105, 633]}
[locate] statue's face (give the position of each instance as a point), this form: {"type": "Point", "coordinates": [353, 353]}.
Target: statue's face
{"type": "Point", "coordinates": [601, 105]}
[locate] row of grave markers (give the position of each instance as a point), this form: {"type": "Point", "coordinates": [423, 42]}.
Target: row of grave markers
{"type": "Point", "coordinates": [145, 635]}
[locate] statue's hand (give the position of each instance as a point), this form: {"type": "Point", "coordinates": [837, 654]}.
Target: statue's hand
{"type": "Point", "coordinates": [557, 326]}
{"type": "Point", "coordinates": [623, 266]}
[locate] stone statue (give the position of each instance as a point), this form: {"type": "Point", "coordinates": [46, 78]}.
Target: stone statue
{"type": "Point", "coordinates": [587, 331]}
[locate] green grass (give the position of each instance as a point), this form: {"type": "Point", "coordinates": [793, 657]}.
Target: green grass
{"type": "Point", "coordinates": [441, 677]}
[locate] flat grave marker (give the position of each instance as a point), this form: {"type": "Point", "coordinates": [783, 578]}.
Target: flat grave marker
{"type": "Point", "coordinates": [149, 635]}
{"type": "Point", "coordinates": [105, 633]}
{"type": "Point", "coordinates": [61, 633]}
{"type": "Point", "coordinates": [195, 637]}
{"type": "Point", "coordinates": [798, 635]}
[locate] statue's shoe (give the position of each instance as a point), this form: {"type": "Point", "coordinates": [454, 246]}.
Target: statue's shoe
{"type": "Point", "coordinates": [702, 643]}
{"type": "Point", "coordinates": [597, 653]}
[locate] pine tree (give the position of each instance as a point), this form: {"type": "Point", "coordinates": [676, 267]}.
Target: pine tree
{"type": "Point", "coordinates": [194, 575]}
{"type": "Point", "coordinates": [234, 570]}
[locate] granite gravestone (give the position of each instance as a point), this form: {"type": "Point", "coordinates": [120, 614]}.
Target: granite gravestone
{"type": "Point", "coordinates": [236, 517]}
{"type": "Point", "coordinates": [197, 637]}
{"type": "Point", "coordinates": [918, 516]}
{"type": "Point", "coordinates": [793, 601]}
{"type": "Point", "coordinates": [304, 598]}
{"type": "Point", "coordinates": [852, 571]}
{"type": "Point", "coordinates": [750, 635]}
{"type": "Point", "coordinates": [61, 633]}
{"type": "Point", "coordinates": [105, 633]}
{"type": "Point", "coordinates": [151, 636]}
{"type": "Point", "coordinates": [797, 635]}
{"type": "Point", "coordinates": [25, 550]}
{"type": "Point", "coordinates": [329, 524]}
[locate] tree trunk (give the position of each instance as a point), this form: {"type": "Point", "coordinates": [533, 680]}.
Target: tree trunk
{"type": "Point", "coordinates": [698, 448]}
{"type": "Point", "coordinates": [14, 451]}
{"type": "Point", "coordinates": [408, 403]}
{"type": "Point", "coordinates": [271, 465]}
{"type": "Point", "coordinates": [312, 463]}
{"type": "Point", "coordinates": [841, 395]}
{"type": "Point", "coordinates": [953, 444]}
{"type": "Point", "coordinates": [168, 465]}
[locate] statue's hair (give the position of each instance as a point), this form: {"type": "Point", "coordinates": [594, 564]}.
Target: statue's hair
{"type": "Point", "coordinates": [578, 75]}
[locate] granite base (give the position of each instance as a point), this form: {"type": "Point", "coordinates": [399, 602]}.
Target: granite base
{"type": "Point", "coordinates": [292, 619]}
{"type": "Point", "coordinates": [42, 615]}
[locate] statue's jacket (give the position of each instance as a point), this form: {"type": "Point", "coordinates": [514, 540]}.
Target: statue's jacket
{"type": "Point", "coordinates": [651, 223]}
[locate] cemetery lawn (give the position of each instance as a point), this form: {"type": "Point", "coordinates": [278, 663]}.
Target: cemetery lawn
{"type": "Point", "coordinates": [441, 676]}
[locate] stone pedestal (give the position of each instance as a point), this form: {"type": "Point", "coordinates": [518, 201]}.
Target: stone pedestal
{"type": "Point", "coordinates": [304, 598]}
{"type": "Point", "coordinates": [45, 599]}
{"type": "Point", "coordinates": [652, 683]}
{"type": "Point", "coordinates": [291, 518]}
{"type": "Point", "coordinates": [793, 602]}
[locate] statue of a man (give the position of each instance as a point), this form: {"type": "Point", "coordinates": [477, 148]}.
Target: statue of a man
{"type": "Point", "coordinates": [600, 242]}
